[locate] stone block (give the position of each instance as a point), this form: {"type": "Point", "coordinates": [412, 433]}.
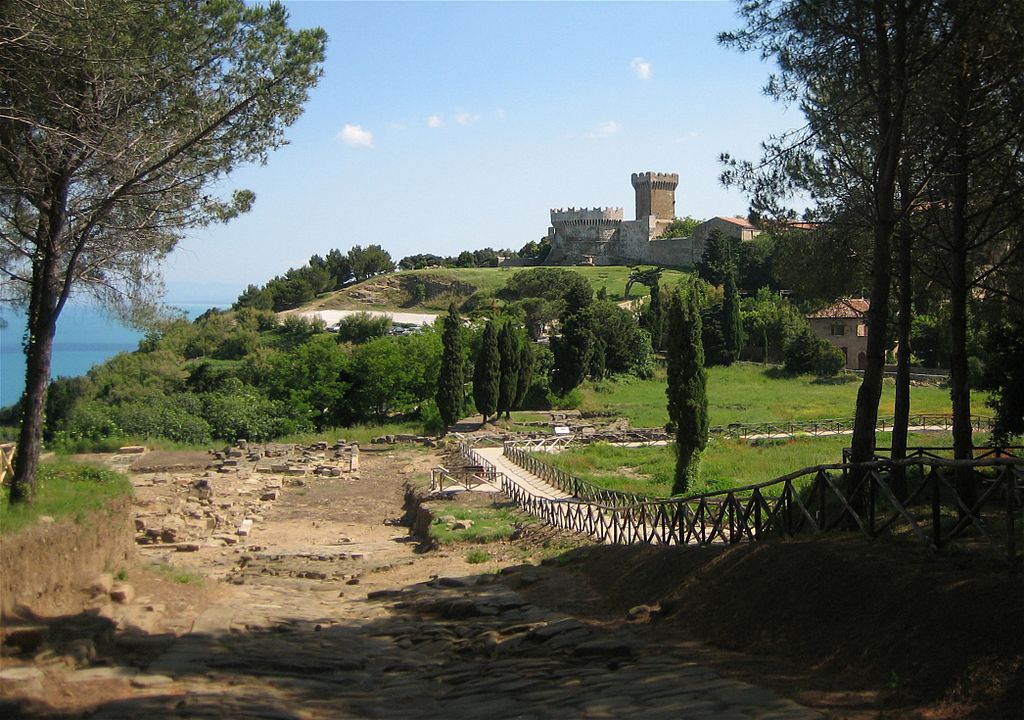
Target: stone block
{"type": "Point", "coordinates": [122, 593]}
{"type": "Point", "coordinates": [244, 528]}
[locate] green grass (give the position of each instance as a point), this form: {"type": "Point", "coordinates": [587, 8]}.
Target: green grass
{"type": "Point", "coordinates": [489, 523]}
{"type": "Point", "coordinates": [477, 556]}
{"type": "Point", "coordinates": [725, 464]}
{"type": "Point", "coordinates": [361, 434]}
{"type": "Point", "coordinates": [64, 490]}
{"type": "Point", "coordinates": [748, 393]}
{"type": "Point", "coordinates": [176, 574]}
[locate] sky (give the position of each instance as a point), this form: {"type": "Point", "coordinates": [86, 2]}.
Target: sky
{"type": "Point", "coordinates": [442, 127]}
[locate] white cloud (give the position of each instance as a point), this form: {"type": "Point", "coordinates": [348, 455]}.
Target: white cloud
{"type": "Point", "coordinates": [641, 68]}
{"type": "Point", "coordinates": [434, 121]}
{"type": "Point", "coordinates": [605, 129]}
{"type": "Point", "coordinates": [465, 118]}
{"type": "Point", "coordinates": [356, 136]}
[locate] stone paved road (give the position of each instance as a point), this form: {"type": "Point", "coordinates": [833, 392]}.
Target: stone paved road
{"type": "Point", "coordinates": [454, 647]}
{"type": "Point", "coordinates": [304, 631]}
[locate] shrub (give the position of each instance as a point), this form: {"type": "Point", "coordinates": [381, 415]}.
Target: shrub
{"type": "Point", "coordinates": [360, 327]}
{"type": "Point", "coordinates": [806, 353]}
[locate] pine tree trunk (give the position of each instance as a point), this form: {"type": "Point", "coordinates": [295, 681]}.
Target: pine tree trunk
{"type": "Point", "coordinates": [42, 324]}
{"type": "Point", "coordinates": [901, 411]}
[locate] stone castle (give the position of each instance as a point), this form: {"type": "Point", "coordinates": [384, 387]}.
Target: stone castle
{"type": "Point", "coordinates": [600, 236]}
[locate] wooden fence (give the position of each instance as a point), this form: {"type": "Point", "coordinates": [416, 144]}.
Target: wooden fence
{"type": "Point", "coordinates": [814, 500]}
{"type": "Point", "coordinates": [7, 451]}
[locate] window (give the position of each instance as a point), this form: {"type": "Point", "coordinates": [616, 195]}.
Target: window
{"type": "Point", "coordinates": [862, 330]}
{"type": "Point", "coordinates": [837, 329]}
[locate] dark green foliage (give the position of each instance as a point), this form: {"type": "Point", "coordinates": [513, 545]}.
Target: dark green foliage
{"type": "Point", "coordinates": [360, 327]}
{"type": "Point", "coordinates": [368, 262]}
{"type": "Point", "coordinates": [487, 372]}
{"type": "Point", "coordinates": [394, 374]}
{"type": "Point", "coordinates": [241, 412]}
{"type": "Point", "coordinates": [313, 379]}
{"type": "Point", "coordinates": [687, 387]}
{"type": "Point", "coordinates": [930, 340]}
{"type": "Point", "coordinates": [652, 317]}
{"type": "Point", "coordinates": [573, 350]}
{"type": "Point", "coordinates": [618, 339]}
{"type": "Point", "coordinates": [295, 330]}
{"type": "Point", "coordinates": [770, 321]}
{"type": "Point", "coordinates": [547, 282]}
{"type": "Point", "coordinates": [510, 344]}
{"type": "Point", "coordinates": [526, 372]}
{"type": "Point", "coordinates": [719, 258]}
{"type": "Point", "coordinates": [537, 312]}
{"type": "Point", "coordinates": [681, 227]}
{"type": "Point", "coordinates": [806, 353]}
{"type": "Point", "coordinates": [63, 394]}
{"type": "Point", "coordinates": [732, 321]}
{"type": "Point", "coordinates": [1006, 373]}
{"type": "Point", "coordinates": [450, 399]}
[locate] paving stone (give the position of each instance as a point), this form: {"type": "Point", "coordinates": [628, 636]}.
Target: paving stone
{"type": "Point", "coordinates": [151, 681]}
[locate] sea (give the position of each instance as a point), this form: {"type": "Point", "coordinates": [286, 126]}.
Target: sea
{"type": "Point", "coordinates": [86, 335]}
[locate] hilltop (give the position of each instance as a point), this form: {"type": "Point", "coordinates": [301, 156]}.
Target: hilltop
{"type": "Point", "coordinates": [434, 289]}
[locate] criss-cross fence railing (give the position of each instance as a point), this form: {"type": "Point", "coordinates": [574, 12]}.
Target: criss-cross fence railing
{"type": "Point", "coordinates": [841, 496]}
{"type": "Point", "coordinates": [518, 453]}
{"type": "Point", "coordinates": [7, 451]}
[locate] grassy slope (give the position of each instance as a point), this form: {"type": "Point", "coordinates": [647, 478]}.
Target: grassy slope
{"type": "Point", "coordinates": [64, 490]}
{"type": "Point", "coordinates": [746, 393]}
{"type": "Point", "coordinates": [383, 293]}
{"type": "Point", "coordinates": [725, 464]}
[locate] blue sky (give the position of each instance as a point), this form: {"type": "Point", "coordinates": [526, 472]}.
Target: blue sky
{"type": "Point", "coordinates": [440, 127]}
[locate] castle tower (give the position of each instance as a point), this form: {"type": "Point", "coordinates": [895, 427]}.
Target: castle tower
{"type": "Point", "coordinates": [655, 195]}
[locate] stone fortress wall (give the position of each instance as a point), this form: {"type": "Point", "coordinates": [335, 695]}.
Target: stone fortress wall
{"type": "Point", "coordinates": [600, 235]}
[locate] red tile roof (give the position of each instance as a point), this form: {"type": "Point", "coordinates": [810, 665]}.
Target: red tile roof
{"type": "Point", "coordinates": [742, 222]}
{"type": "Point", "coordinates": [844, 308]}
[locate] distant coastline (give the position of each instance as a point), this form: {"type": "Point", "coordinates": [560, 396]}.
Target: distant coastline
{"type": "Point", "coordinates": [86, 336]}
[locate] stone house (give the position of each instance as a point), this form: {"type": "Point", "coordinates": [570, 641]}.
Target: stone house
{"type": "Point", "coordinates": [843, 324]}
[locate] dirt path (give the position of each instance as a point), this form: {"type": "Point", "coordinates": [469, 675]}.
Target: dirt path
{"type": "Point", "coordinates": [327, 610]}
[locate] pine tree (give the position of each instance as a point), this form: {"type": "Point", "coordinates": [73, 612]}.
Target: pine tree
{"type": "Point", "coordinates": [732, 321]}
{"type": "Point", "coordinates": [509, 352]}
{"type": "Point", "coordinates": [687, 387]}
{"type": "Point", "coordinates": [487, 372]}
{"type": "Point", "coordinates": [451, 376]}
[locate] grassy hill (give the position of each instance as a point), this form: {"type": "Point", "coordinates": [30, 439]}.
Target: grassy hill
{"type": "Point", "coordinates": [440, 286]}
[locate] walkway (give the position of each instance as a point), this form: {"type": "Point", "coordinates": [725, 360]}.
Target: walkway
{"type": "Point", "coordinates": [524, 479]}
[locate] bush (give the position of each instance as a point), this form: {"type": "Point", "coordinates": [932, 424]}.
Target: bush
{"type": "Point", "coordinates": [360, 327]}
{"type": "Point", "coordinates": [806, 353]}
{"type": "Point", "coordinates": [239, 411]}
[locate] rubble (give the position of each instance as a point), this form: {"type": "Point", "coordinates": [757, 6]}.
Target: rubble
{"type": "Point", "coordinates": [187, 512]}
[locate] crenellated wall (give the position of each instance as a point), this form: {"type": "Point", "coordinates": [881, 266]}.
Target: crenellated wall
{"type": "Point", "coordinates": [600, 235]}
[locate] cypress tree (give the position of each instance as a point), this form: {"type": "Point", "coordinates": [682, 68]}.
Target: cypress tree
{"type": "Point", "coordinates": [687, 387]}
{"type": "Point", "coordinates": [509, 352]}
{"type": "Point", "coordinates": [451, 376]}
{"type": "Point", "coordinates": [732, 321]}
{"type": "Point", "coordinates": [653, 320]}
{"type": "Point", "coordinates": [526, 360]}
{"type": "Point", "coordinates": [574, 348]}
{"type": "Point", "coordinates": [487, 372]}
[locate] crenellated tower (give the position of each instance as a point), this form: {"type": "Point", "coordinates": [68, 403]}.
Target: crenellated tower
{"type": "Point", "coordinates": [655, 195]}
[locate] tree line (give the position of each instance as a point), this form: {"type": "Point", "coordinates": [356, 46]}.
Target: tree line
{"type": "Point", "coordinates": [913, 153]}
